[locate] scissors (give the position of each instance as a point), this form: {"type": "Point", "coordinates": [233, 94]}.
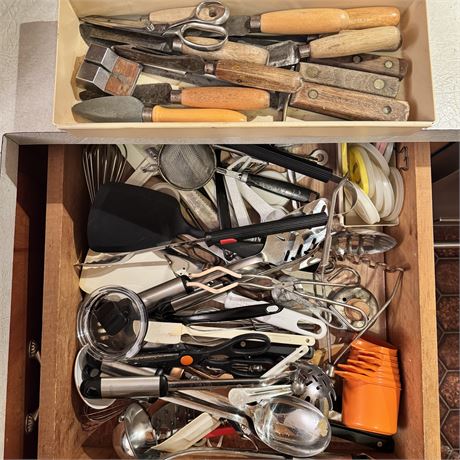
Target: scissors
{"type": "Point", "coordinates": [208, 17]}
{"type": "Point", "coordinates": [241, 356]}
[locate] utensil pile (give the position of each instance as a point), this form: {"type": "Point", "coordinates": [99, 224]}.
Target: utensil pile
{"type": "Point", "coordinates": [207, 65]}
{"type": "Point", "coordinates": [240, 325]}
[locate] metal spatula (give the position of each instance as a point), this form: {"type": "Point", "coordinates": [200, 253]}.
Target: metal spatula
{"type": "Point", "coordinates": [127, 218]}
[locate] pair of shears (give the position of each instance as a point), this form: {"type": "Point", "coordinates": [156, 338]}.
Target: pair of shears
{"type": "Point", "coordinates": [206, 18]}
{"type": "Point", "coordinates": [241, 356]}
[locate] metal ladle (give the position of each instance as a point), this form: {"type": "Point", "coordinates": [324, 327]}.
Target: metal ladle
{"type": "Point", "coordinates": [285, 423]}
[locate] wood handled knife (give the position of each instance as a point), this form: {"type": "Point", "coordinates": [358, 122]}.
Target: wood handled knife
{"type": "Point", "coordinates": [297, 21]}
{"type": "Point", "coordinates": [129, 109]}
{"type": "Point", "coordinates": [233, 98]}
{"type": "Point", "coordinates": [349, 105]}
{"type": "Point", "coordinates": [366, 82]}
{"type": "Point", "coordinates": [384, 65]}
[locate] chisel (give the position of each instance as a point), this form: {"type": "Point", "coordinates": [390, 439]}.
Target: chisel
{"type": "Point", "coordinates": [130, 109]}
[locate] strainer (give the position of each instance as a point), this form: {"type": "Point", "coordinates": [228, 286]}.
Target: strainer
{"type": "Point", "coordinates": [186, 167]}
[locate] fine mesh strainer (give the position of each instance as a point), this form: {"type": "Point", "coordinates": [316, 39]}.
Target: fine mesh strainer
{"type": "Point", "coordinates": [186, 167]}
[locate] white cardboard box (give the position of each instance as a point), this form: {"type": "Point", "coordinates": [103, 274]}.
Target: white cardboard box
{"type": "Point", "coordinates": [416, 87]}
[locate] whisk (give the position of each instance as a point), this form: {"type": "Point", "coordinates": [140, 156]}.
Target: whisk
{"type": "Point", "coordinates": [103, 164]}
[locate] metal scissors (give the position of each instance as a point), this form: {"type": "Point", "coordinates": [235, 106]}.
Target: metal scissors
{"type": "Point", "coordinates": [234, 355]}
{"type": "Point", "coordinates": [207, 17]}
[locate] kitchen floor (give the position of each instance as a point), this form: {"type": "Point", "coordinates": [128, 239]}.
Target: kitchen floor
{"type": "Point", "coordinates": [447, 301]}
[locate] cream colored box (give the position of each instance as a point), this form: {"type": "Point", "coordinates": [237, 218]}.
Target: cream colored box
{"type": "Point", "coordinates": [417, 86]}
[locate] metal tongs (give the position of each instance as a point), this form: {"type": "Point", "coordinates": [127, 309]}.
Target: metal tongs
{"type": "Point", "coordinates": [207, 17]}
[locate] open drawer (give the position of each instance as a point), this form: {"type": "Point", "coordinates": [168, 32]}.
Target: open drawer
{"type": "Point", "coordinates": [411, 318]}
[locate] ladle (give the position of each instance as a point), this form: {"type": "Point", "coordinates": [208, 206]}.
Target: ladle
{"type": "Point", "coordinates": [285, 423]}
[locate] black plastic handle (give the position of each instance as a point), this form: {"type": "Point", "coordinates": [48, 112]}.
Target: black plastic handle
{"type": "Point", "coordinates": [233, 314]}
{"type": "Point", "coordinates": [286, 160]}
{"type": "Point", "coordinates": [279, 187]}
{"type": "Point", "coordinates": [372, 440]}
{"type": "Point", "coordinates": [232, 235]}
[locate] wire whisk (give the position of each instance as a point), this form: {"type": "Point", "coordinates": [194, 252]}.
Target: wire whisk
{"type": "Point", "coordinates": [103, 164]}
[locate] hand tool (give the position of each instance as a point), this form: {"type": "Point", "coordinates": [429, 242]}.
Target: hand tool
{"type": "Point", "coordinates": [130, 109]}
{"type": "Point", "coordinates": [383, 65]}
{"type": "Point", "coordinates": [277, 187]}
{"type": "Point", "coordinates": [365, 82]}
{"type": "Point", "coordinates": [285, 423]}
{"type": "Point", "coordinates": [340, 53]}
{"type": "Point", "coordinates": [298, 21]}
{"type": "Point", "coordinates": [266, 77]}
{"type": "Point", "coordinates": [230, 50]}
{"type": "Point", "coordinates": [207, 16]}
{"type": "Point", "coordinates": [125, 218]}
{"type": "Point", "coordinates": [103, 164]}
{"type": "Point", "coordinates": [233, 355]}
{"type": "Point", "coordinates": [274, 155]}
{"type": "Point", "coordinates": [154, 386]}
{"type": "Point", "coordinates": [218, 97]}
{"type": "Point", "coordinates": [105, 70]}
{"type": "Point", "coordinates": [349, 105]}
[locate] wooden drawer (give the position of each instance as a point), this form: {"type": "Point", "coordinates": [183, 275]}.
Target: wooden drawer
{"type": "Point", "coordinates": [411, 318]}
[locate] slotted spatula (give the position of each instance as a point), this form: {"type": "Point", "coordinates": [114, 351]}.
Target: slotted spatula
{"type": "Point", "coordinates": [126, 218]}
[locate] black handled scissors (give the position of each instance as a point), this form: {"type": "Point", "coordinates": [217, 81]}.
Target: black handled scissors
{"type": "Point", "coordinates": [232, 355]}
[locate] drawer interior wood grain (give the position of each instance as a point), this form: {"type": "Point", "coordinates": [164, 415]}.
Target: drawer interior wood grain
{"type": "Point", "coordinates": [410, 318]}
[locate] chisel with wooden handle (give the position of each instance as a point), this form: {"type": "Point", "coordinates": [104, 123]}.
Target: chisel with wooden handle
{"type": "Point", "coordinates": [218, 97]}
{"type": "Point", "coordinates": [230, 50]}
{"type": "Point", "coordinates": [297, 21]}
{"type": "Point", "coordinates": [267, 77]}
{"type": "Point", "coordinates": [130, 109]}
{"type": "Point", "coordinates": [346, 43]}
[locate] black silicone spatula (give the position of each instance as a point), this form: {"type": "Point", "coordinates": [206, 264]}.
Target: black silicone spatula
{"type": "Point", "coordinates": [126, 218]}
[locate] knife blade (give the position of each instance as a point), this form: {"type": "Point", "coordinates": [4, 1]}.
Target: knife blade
{"type": "Point", "coordinates": [129, 109]}
{"type": "Point", "coordinates": [109, 36]}
{"type": "Point", "coordinates": [232, 98]}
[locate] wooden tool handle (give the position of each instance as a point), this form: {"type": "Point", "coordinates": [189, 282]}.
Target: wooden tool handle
{"type": "Point", "coordinates": [357, 41]}
{"type": "Point", "coordinates": [226, 98]}
{"type": "Point", "coordinates": [366, 82]}
{"type": "Point", "coordinates": [163, 114]}
{"type": "Point", "coordinates": [304, 21]}
{"type": "Point", "coordinates": [350, 105]}
{"type": "Point", "coordinates": [385, 65]}
{"type": "Point", "coordinates": [231, 50]}
{"type": "Point", "coordinates": [377, 16]}
{"type": "Point", "coordinates": [258, 76]}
